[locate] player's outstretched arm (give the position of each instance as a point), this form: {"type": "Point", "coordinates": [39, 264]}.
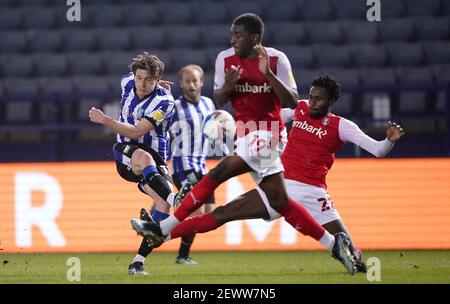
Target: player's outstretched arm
{"type": "Point", "coordinates": [350, 132]}
{"type": "Point", "coordinates": [287, 96]}
{"type": "Point", "coordinates": [394, 132]}
{"type": "Point", "coordinates": [131, 131]}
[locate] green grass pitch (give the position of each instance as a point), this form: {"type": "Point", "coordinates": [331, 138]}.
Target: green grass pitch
{"type": "Point", "coordinates": [293, 267]}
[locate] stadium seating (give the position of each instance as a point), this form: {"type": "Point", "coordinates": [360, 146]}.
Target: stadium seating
{"type": "Point", "coordinates": [147, 38]}
{"type": "Point", "coordinates": [286, 12]}
{"type": "Point", "coordinates": [441, 102]}
{"type": "Point", "coordinates": [286, 33]}
{"type": "Point", "coordinates": [377, 78]}
{"type": "Point", "coordinates": [236, 8]}
{"type": "Point", "coordinates": [343, 106]}
{"type": "Point", "coordinates": [38, 17]}
{"type": "Point", "coordinates": [49, 65]}
{"type": "Point", "coordinates": [369, 55]}
{"type": "Point", "coordinates": [221, 37]}
{"type": "Point", "coordinates": [45, 40]}
{"type": "Point", "coordinates": [356, 32]}
{"type": "Point", "coordinates": [19, 111]}
{"type": "Point", "coordinates": [116, 63]}
{"type": "Point", "coordinates": [211, 12]}
{"type": "Point", "coordinates": [304, 78]}
{"type": "Point", "coordinates": [412, 102]}
{"type": "Point", "coordinates": [393, 9]}
{"type": "Point", "coordinates": [143, 15]}
{"type": "Point", "coordinates": [350, 9]}
{"type": "Point", "coordinates": [83, 63]}
{"type": "Point", "coordinates": [44, 56]}
{"type": "Point", "coordinates": [106, 15]}
{"type": "Point", "coordinates": [401, 29]}
{"type": "Point", "coordinates": [300, 57]}
{"type": "Point", "coordinates": [324, 32]}
{"type": "Point", "coordinates": [10, 19]}
{"type": "Point", "coordinates": [113, 39]}
{"type": "Point", "coordinates": [348, 78]}
{"type": "Point", "coordinates": [423, 8]}
{"type": "Point", "coordinates": [16, 65]}
{"type": "Point", "coordinates": [432, 28]}
{"type": "Point", "coordinates": [316, 10]}
{"type": "Point", "coordinates": [413, 76]}
{"type": "Point", "coordinates": [90, 86]}
{"type": "Point", "coordinates": [21, 89]}
{"type": "Point", "coordinates": [184, 56]}
{"type": "Point", "coordinates": [332, 56]}
{"type": "Point", "coordinates": [179, 36]}
{"type": "Point", "coordinates": [442, 74]}
{"type": "Point", "coordinates": [13, 42]}
{"type": "Point", "coordinates": [79, 40]}
{"type": "Point", "coordinates": [56, 88]}
{"type": "Point", "coordinates": [175, 12]}
{"type": "Point", "coordinates": [402, 53]}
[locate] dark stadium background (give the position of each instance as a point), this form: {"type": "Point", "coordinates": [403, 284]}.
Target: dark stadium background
{"type": "Point", "coordinates": [52, 71]}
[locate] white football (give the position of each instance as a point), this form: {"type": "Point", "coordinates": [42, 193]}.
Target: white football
{"type": "Point", "coordinates": [219, 125]}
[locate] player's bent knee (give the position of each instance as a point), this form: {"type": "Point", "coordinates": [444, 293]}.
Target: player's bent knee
{"type": "Point", "coordinates": [272, 213]}
{"type": "Point", "coordinates": [141, 159]}
{"type": "Point", "coordinates": [221, 215]}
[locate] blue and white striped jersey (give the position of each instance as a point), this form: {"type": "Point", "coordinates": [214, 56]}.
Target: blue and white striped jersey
{"type": "Point", "coordinates": [158, 108]}
{"type": "Point", "coordinates": [189, 146]}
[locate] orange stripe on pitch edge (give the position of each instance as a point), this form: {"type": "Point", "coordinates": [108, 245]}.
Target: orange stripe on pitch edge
{"type": "Point", "coordinates": [388, 210]}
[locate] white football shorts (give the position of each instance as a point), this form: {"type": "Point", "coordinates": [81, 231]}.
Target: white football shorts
{"type": "Point", "coordinates": [261, 152]}
{"type": "Point", "coordinates": [315, 199]}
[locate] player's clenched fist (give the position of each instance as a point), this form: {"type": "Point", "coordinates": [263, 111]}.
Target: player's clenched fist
{"type": "Point", "coordinates": [96, 115]}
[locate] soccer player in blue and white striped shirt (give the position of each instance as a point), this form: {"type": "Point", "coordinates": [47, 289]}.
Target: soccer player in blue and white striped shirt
{"type": "Point", "coordinates": [146, 110]}
{"type": "Point", "coordinates": [189, 146]}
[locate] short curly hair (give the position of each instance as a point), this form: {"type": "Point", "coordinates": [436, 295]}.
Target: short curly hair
{"type": "Point", "coordinates": [149, 62]}
{"type": "Point", "coordinates": [330, 84]}
{"type": "Point", "coordinates": [252, 24]}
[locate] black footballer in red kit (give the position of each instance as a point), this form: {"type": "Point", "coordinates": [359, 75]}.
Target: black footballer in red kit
{"type": "Point", "coordinates": [312, 146]}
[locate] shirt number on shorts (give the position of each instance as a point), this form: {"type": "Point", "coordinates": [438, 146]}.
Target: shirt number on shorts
{"type": "Point", "coordinates": [257, 143]}
{"type": "Point", "coordinates": [325, 205]}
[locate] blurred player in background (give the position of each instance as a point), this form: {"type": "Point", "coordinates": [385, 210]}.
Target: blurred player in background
{"type": "Point", "coordinates": [146, 110]}
{"type": "Point", "coordinates": [257, 81]}
{"type": "Point", "coordinates": [188, 158]}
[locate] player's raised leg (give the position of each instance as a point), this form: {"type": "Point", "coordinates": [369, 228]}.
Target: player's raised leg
{"type": "Point", "coordinates": [227, 168]}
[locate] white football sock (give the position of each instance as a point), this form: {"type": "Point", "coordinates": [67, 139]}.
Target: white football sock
{"type": "Point", "coordinates": [170, 199]}
{"type": "Point", "coordinates": [168, 224]}
{"type": "Point", "coordinates": [327, 240]}
{"type": "Point", "coordinates": [139, 258]}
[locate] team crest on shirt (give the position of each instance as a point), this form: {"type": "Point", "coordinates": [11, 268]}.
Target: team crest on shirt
{"type": "Point", "coordinates": [137, 114]}
{"type": "Point", "coordinates": [326, 121]}
{"type": "Point", "coordinates": [140, 114]}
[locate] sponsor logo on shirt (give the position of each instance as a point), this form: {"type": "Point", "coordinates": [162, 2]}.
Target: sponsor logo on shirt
{"type": "Point", "coordinates": [319, 132]}
{"type": "Point", "coordinates": [247, 88]}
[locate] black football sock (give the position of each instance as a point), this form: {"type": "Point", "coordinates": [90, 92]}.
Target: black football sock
{"type": "Point", "coordinates": [185, 246]}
